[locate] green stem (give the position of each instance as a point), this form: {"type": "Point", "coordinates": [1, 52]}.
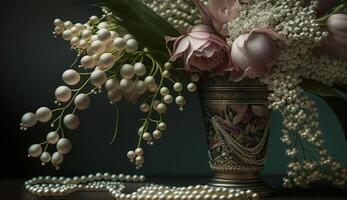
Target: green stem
{"type": "Point", "coordinates": [338, 9]}
{"type": "Point", "coordinates": [116, 128]}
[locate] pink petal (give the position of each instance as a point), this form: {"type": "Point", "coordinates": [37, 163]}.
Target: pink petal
{"type": "Point", "coordinates": [210, 50]}
{"type": "Point", "coordinates": [202, 28]}
{"type": "Point", "coordinates": [253, 72]}
{"type": "Point", "coordinates": [223, 11]}
{"type": "Point", "coordinates": [182, 46]}
{"type": "Point", "coordinates": [267, 31]}
{"type": "Point", "coordinates": [236, 75]}
{"type": "Point", "coordinates": [201, 35]}
{"type": "Point", "coordinates": [204, 12]}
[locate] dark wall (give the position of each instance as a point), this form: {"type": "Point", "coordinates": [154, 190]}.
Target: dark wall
{"type": "Point", "coordinates": [32, 62]}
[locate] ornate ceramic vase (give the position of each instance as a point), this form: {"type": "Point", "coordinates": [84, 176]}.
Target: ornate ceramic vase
{"type": "Point", "coordinates": [237, 122]}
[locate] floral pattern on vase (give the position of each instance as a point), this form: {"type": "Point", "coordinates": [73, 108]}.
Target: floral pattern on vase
{"type": "Point", "coordinates": [236, 134]}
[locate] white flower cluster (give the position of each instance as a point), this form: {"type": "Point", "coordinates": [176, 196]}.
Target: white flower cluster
{"type": "Point", "coordinates": [301, 33]}
{"type": "Point", "coordinates": [182, 14]}
{"type": "Point", "coordinates": [259, 14]}
{"type": "Point", "coordinates": [111, 59]}
{"type": "Point", "coordinates": [301, 133]}
{"type": "Point", "coordinates": [323, 69]}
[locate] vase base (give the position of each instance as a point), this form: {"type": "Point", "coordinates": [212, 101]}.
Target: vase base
{"type": "Point", "coordinates": [256, 185]}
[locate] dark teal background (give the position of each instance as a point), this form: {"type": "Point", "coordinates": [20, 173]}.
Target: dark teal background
{"type": "Point", "coordinates": [32, 62]}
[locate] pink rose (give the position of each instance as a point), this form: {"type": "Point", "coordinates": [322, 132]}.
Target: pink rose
{"type": "Point", "coordinates": [201, 49]}
{"type": "Point", "coordinates": [254, 53]}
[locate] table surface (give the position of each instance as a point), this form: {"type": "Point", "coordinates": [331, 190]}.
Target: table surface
{"type": "Point", "coordinates": [13, 189]}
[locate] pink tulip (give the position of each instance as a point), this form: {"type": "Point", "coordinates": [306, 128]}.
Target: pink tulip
{"type": "Point", "coordinates": [337, 26]}
{"type": "Point", "coordinates": [218, 12]}
{"type": "Point", "coordinates": [202, 50]}
{"type": "Point", "coordinates": [254, 53]}
{"type": "Point", "coordinates": [335, 46]}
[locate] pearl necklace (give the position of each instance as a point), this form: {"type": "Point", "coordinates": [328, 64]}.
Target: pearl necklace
{"type": "Point", "coordinates": [115, 185]}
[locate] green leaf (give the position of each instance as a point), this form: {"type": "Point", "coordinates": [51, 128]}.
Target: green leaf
{"type": "Point", "coordinates": [335, 100]}
{"type": "Point", "coordinates": [147, 27]}
{"type": "Point", "coordinates": [339, 106]}
{"type": "Point", "coordinates": [318, 88]}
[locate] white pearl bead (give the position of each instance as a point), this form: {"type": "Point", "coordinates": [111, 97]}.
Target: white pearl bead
{"type": "Point", "coordinates": [93, 19]}
{"type": "Point", "coordinates": [178, 87]}
{"type": "Point", "coordinates": [139, 159]}
{"type": "Point", "coordinates": [64, 146]}
{"type": "Point", "coordinates": [109, 46]}
{"type": "Point", "coordinates": [114, 35]}
{"type": "Point", "coordinates": [127, 37]}
{"type": "Point", "coordinates": [98, 77]}
{"type": "Point", "coordinates": [153, 87]}
{"type": "Point", "coordinates": [140, 87]}
{"type": "Point", "coordinates": [71, 77]}
{"type": "Point", "coordinates": [144, 107]}
{"type": "Point", "coordinates": [112, 84]}
{"type": "Point", "coordinates": [114, 95]}
{"type": "Point", "coordinates": [97, 47]}
{"type": "Point", "coordinates": [107, 59]}
{"type": "Point", "coordinates": [146, 136]}
{"type": "Point", "coordinates": [58, 22]}
{"type": "Point", "coordinates": [161, 108]}
{"type": "Point", "coordinates": [119, 43]}
{"type": "Point", "coordinates": [127, 71]}
{"type": "Point", "coordinates": [68, 24]}
{"type": "Point", "coordinates": [67, 35]}
{"type": "Point", "coordinates": [131, 154]}
{"type": "Point", "coordinates": [82, 101]}
{"type": "Point", "coordinates": [168, 65]}
{"type": "Point", "coordinates": [103, 25]}
{"type": "Point", "coordinates": [45, 157]}
{"type": "Point", "coordinates": [59, 30]}
{"type": "Point", "coordinates": [126, 85]}
{"type": "Point", "coordinates": [191, 87]}
{"type": "Point", "coordinates": [83, 44]}
{"type": "Point", "coordinates": [168, 99]}
{"type": "Point", "coordinates": [131, 46]}
{"type": "Point", "coordinates": [57, 158]}
{"type": "Point", "coordinates": [166, 74]}
{"type": "Point", "coordinates": [29, 119]}
{"type": "Point", "coordinates": [63, 93]}
{"type": "Point", "coordinates": [86, 34]}
{"type": "Point", "coordinates": [180, 100]}
{"type": "Point", "coordinates": [195, 77]}
{"type": "Point", "coordinates": [157, 134]}
{"type": "Point", "coordinates": [140, 69]}
{"type": "Point", "coordinates": [104, 34]}
{"type": "Point", "coordinates": [52, 137]}
{"type": "Point", "coordinates": [164, 91]}
{"type": "Point", "coordinates": [43, 114]}
{"type": "Point", "coordinates": [35, 150]}
{"type": "Point", "coordinates": [149, 80]}
{"type": "Point", "coordinates": [71, 121]}
{"type": "Point", "coordinates": [88, 62]}
{"type": "Point", "coordinates": [162, 126]}
{"type": "Point", "coordinates": [139, 151]}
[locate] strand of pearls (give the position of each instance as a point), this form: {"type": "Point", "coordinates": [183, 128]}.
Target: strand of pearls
{"type": "Point", "coordinates": [198, 192]}
{"type": "Point", "coordinates": [182, 14]}
{"type": "Point", "coordinates": [116, 185]}
{"type": "Point", "coordinates": [61, 186]}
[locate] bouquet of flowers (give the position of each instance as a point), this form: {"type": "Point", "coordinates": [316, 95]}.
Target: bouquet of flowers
{"type": "Point", "coordinates": [140, 50]}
